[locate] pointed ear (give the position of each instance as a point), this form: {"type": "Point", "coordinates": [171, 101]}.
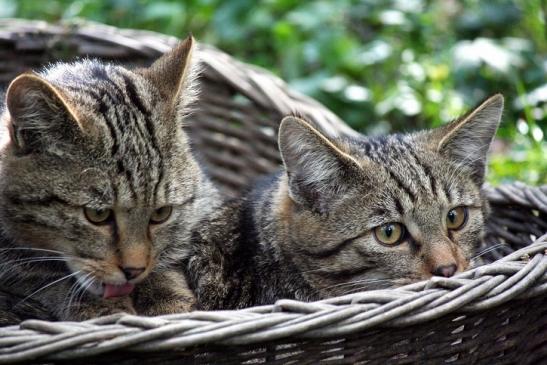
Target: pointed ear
{"type": "Point", "coordinates": [39, 114]}
{"type": "Point", "coordinates": [174, 74]}
{"type": "Point", "coordinates": [318, 170]}
{"type": "Point", "coordinates": [466, 141]}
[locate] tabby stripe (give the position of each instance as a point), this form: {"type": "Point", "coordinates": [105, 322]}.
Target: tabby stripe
{"type": "Point", "coordinates": [103, 110]}
{"type": "Point", "coordinates": [426, 169]}
{"type": "Point", "coordinates": [379, 211]}
{"type": "Point", "coordinates": [144, 143]}
{"type": "Point", "coordinates": [342, 275]}
{"type": "Point", "coordinates": [46, 200]}
{"type": "Point", "coordinates": [136, 100]}
{"type": "Point", "coordinates": [398, 205]}
{"type": "Point", "coordinates": [446, 191]}
{"type": "Point", "coordinates": [331, 251]}
{"type": "Point", "coordinates": [105, 103]}
{"type": "Point", "coordinates": [142, 131]}
{"type": "Point", "coordinates": [130, 182]}
{"type": "Point", "coordinates": [157, 185]}
{"type": "Point", "coordinates": [155, 145]}
{"type": "Point", "coordinates": [133, 95]}
{"type": "Point", "coordinates": [400, 184]}
{"type": "Point", "coordinates": [31, 220]}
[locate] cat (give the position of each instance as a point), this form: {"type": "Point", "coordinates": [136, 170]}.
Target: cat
{"type": "Point", "coordinates": [98, 189]}
{"type": "Point", "coordinates": [348, 214]}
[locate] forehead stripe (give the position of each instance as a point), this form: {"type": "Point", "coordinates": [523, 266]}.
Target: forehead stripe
{"type": "Point", "coordinates": [426, 169]}
{"type": "Point", "coordinates": [133, 96]}
{"type": "Point", "coordinates": [400, 184]}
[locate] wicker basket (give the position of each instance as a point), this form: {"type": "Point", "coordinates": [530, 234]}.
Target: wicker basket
{"type": "Point", "coordinates": [495, 314]}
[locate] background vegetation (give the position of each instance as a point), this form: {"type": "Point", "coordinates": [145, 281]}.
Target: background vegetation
{"type": "Point", "coordinates": [380, 65]}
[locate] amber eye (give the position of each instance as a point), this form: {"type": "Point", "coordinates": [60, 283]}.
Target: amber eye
{"type": "Point", "coordinates": [160, 215]}
{"type": "Point", "coordinates": [456, 218]}
{"type": "Point", "coordinates": [390, 233]}
{"type": "Point", "coordinates": [97, 216]}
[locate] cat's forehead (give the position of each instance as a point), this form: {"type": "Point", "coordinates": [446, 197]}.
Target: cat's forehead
{"type": "Point", "coordinates": [132, 145]}
{"type": "Point", "coordinates": [408, 173]}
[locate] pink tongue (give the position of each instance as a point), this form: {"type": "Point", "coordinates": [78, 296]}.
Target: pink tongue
{"type": "Point", "coordinates": [111, 291]}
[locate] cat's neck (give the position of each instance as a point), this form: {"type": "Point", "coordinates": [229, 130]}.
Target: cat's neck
{"type": "Point", "coordinates": [270, 202]}
{"type": "Point", "coordinates": [245, 236]}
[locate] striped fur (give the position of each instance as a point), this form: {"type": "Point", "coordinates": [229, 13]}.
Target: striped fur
{"type": "Point", "coordinates": [89, 134]}
{"type": "Point", "coordinates": [307, 232]}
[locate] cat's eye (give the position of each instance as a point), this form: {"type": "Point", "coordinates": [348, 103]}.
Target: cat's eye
{"type": "Point", "coordinates": [456, 218]}
{"type": "Point", "coordinates": [97, 216]}
{"type": "Point", "coordinates": [390, 233]}
{"type": "Point", "coordinates": [160, 215]}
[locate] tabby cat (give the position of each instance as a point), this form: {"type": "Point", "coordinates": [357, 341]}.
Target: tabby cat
{"type": "Point", "coordinates": [349, 214]}
{"type": "Point", "coordinates": [98, 189]}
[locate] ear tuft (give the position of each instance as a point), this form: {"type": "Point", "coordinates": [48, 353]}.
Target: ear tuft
{"type": "Point", "coordinates": [175, 73]}
{"type": "Point", "coordinates": [467, 140]}
{"type": "Point", "coordinates": [318, 170]}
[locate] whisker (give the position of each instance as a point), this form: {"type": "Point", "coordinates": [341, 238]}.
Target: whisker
{"type": "Point", "coordinates": [87, 286]}
{"type": "Point", "coordinates": [47, 286]}
{"type": "Point", "coordinates": [359, 282]}
{"type": "Point", "coordinates": [487, 250]}
{"type": "Point", "coordinates": [84, 287]}
{"type": "Point", "coordinates": [363, 287]}
{"type": "Point", "coordinates": [33, 259]}
{"type": "Point", "coordinates": [74, 289]}
{"type": "Point", "coordinates": [31, 249]}
{"type": "Point", "coordinates": [10, 270]}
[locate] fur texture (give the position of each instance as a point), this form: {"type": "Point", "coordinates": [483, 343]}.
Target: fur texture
{"type": "Point", "coordinates": [308, 232]}
{"type": "Point", "coordinates": [95, 136]}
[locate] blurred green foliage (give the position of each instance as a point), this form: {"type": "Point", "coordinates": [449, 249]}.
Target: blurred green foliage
{"type": "Point", "coordinates": [380, 65]}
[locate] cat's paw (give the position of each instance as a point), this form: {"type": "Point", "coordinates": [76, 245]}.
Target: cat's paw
{"type": "Point", "coordinates": [101, 308]}
{"type": "Point", "coordinates": [164, 293]}
{"type": "Point", "coordinates": [171, 306]}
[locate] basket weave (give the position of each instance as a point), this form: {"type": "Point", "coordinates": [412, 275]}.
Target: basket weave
{"type": "Point", "coordinates": [494, 314]}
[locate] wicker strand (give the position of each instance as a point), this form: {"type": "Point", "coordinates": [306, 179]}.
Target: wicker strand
{"type": "Point", "coordinates": [478, 289]}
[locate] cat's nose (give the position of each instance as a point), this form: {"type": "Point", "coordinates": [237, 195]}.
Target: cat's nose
{"type": "Point", "coordinates": [132, 272]}
{"type": "Point", "coordinates": [445, 270]}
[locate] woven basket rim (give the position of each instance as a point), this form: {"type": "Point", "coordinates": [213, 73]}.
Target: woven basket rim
{"type": "Point", "coordinates": [522, 275]}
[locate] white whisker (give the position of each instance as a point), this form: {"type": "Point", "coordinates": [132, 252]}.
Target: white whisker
{"type": "Point", "coordinates": [487, 250]}
{"type": "Point", "coordinates": [359, 282]}
{"type": "Point", "coordinates": [47, 286]}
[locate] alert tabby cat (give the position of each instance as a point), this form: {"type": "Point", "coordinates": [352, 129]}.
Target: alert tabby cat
{"type": "Point", "coordinates": [98, 171]}
{"type": "Point", "coordinates": [349, 214]}
{"type": "Point", "coordinates": [98, 190]}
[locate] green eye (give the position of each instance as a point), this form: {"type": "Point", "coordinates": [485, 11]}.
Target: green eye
{"type": "Point", "coordinates": [160, 215]}
{"type": "Point", "coordinates": [390, 233]}
{"type": "Point", "coordinates": [456, 218]}
{"type": "Point", "coordinates": [97, 216]}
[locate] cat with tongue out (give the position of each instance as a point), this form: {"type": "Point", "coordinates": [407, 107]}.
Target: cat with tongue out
{"type": "Point", "coordinates": [98, 191]}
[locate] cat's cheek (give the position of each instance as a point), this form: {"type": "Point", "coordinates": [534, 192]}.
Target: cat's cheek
{"type": "Point", "coordinates": [468, 239]}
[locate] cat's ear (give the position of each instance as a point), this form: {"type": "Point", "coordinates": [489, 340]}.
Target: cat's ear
{"type": "Point", "coordinates": [39, 113]}
{"type": "Point", "coordinates": [467, 140]}
{"type": "Point", "coordinates": [175, 72]}
{"type": "Point", "coordinates": [319, 172]}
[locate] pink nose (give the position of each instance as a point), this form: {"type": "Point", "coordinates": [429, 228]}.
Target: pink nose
{"type": "Point", "coordinates": [445, 270]}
